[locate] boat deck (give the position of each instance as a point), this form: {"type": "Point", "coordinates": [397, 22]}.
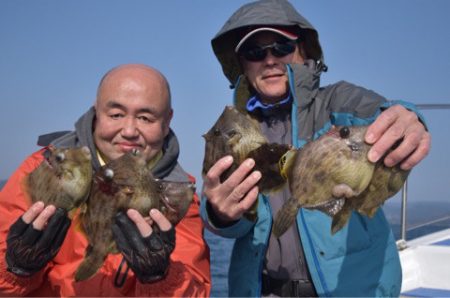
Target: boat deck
{"type": "Point", "coordinates": [426, 266]}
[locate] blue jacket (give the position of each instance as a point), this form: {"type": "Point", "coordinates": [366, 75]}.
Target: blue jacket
{"type": "Point", "coordinates": [362, 258]}
{"type": "Point", "coordinates": [359, 260]}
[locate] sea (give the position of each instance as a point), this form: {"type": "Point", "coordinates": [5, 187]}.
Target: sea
{"type": "Point", "coordinates": [422, 218]}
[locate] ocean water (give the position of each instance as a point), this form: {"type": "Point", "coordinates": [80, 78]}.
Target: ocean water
{"type": "Point", "coordinates": [220, 248]}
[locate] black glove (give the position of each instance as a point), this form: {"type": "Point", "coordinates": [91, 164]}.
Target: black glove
{"type": "Point", "coordinates": [148, 257]}
{"type": "Point", "coordinates": [28, 250]}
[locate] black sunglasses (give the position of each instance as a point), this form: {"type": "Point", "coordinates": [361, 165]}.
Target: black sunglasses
{"type": "Point", "coordinates": [278, 49]}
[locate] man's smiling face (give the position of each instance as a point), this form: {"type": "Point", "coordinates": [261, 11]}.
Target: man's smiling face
{"type": "Point", "coordinates": [269, 77]}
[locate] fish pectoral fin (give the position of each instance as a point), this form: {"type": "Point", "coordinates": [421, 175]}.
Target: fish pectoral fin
{"type": "Point", "coordinates": [234, 139]}
{"type": "Point", "coordinates": [343, 191]}
{"type": "Point", "coordinates": [285, 217]}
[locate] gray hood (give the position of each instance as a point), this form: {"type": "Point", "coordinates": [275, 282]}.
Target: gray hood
{"type": "Point", "coordinates": [257, 14]}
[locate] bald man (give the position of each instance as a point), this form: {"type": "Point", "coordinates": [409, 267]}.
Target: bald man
{"type": "Point", "coordinates": [132, 111]}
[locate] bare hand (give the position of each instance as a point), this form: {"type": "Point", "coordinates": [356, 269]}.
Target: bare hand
{"type": "Point", "coordinates": [38, 214]}
{"type": "Point", "coordinates": [393, 124]}
{"type": "Point", "coordinates": [144, 224]}
{"type": "Point", "coordinates": [230, 199]}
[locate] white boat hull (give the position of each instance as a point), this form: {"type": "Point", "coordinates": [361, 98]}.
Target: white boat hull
{"type": "Point", "coordinates": [426, 266]}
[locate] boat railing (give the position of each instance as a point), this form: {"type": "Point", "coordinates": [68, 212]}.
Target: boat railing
{"type": "Point", "coordinates": [402, 242]}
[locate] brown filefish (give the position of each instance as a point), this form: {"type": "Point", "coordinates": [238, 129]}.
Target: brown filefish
{"type": "Point", "coordinates": [121, 184]}
{"type": "Point", "coordinates": [63, 179]}
{"type": "Point", "coordinates": [324, 173]}
{"type": "Point", "coordinates": [239, 135]}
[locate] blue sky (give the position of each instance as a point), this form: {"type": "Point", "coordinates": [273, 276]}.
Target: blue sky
{"type": "Point", "coordinates": [53, 53]}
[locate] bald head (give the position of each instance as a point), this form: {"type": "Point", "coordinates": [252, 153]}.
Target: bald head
{"type": "Point", "coordinates": [145, 75]}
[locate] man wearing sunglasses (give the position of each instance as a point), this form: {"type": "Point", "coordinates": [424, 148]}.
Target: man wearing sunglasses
{"type": "Point", "coordinates": [273, 59]}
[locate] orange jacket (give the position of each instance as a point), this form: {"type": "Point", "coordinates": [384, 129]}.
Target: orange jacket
{"type": "Point", "coordinates": [189, 271]}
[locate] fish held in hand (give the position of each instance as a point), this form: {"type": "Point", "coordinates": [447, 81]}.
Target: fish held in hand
{"type": "Point", "coordinates": [324, 173]}
{"type": "Point", "coordinates": [63, 179]}
{"type": "Point", "coordinates": [237, 134]}
{"type": "Point", "coordinates": [125, 183]}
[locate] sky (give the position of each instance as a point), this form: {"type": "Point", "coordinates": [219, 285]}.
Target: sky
{"type": "Point", "coordinates": [53, 54]}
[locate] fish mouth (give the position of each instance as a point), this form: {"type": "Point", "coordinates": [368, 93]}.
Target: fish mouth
{"type": "Point", "coordinates": [167, 204]}
{"type": "Point", "coordinates": [48, 163]}
{"type": "Point", "coordinates": [58, 172]}
{"type": "Point", "coordinates": [330, 207]}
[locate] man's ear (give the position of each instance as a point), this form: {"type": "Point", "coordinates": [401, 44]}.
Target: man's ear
{"type": "Point", "coordinates": [94, 121]}
{"type": "Point", "coordinates": [241, 65]}
{"type": "Point", "coordinates": [167, 122]}
{"type": "Point", "coordinates": [301, 50]}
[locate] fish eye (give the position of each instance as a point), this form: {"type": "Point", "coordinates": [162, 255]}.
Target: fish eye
{"type": "Point", "coordinates": [109, 173]}
{"type": "Point", "coordinates": [217, 132]}
{"type": "Point", "coordinates": [344, 132]}
{"type": "Point", "coordinates": [60, 157]}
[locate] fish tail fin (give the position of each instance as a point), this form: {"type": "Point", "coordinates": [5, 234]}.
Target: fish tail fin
{"type": "Point", "coordinates": [93, 260]}
{"type": "Point", "coordinates": [340, 220]}
{"type": "Point", "coordinates": [285, 217]}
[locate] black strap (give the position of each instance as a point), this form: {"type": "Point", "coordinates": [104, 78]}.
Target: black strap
{"type": "Point", "coordinates": [119, 278]}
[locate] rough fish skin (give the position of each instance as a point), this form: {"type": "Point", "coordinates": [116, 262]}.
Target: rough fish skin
{"type": "Point", "coordinates": [324, 171]}
{"type": "Point", "coordinates": [176, 199]}
{"type": "Point", "coordinates": [63, 179]}
{"type": "Point", "coordinates": [239, 135]}
{"type": "Point", "coordinates": [385, 183]}
{"type": "Point", "coordinates": [122, 184]}
{"type": "Point", "coordinates": [235, 134]}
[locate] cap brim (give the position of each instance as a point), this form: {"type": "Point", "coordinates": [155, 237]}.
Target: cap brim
{"type": "Point", "coordinates": [283, 33]}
